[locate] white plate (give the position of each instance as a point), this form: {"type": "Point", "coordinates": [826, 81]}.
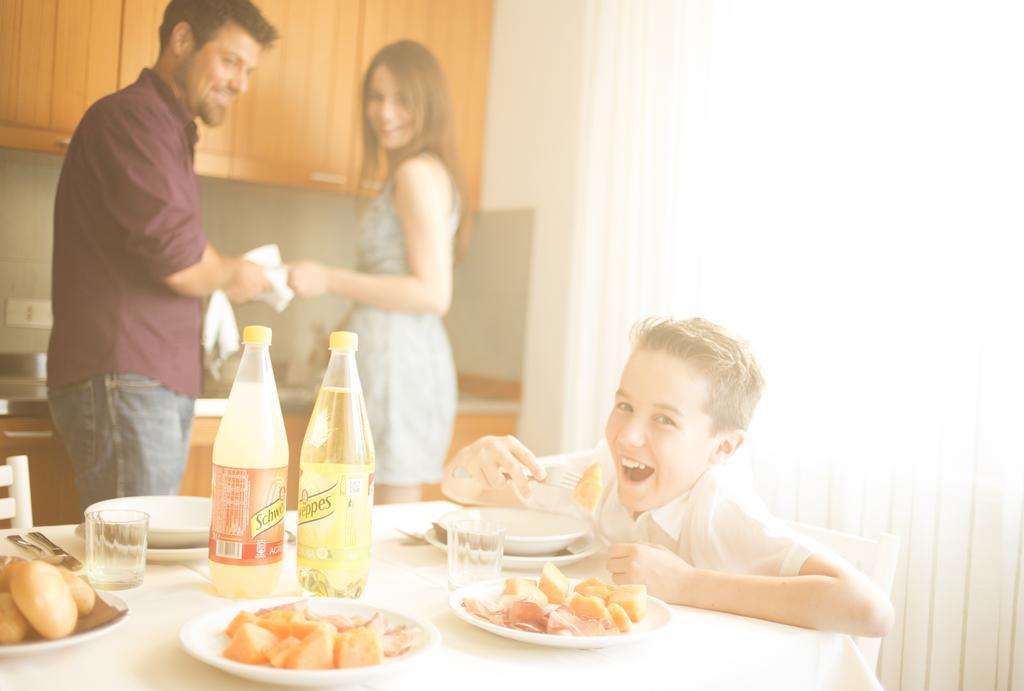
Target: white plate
{"type": "Point", "coordinates": [174, 522]}
{"type": "Point", "coordinates": [509, 561]}
{"type": "Point", "coordinates": [203, 638]}
{"type": "Point", "coordinates": [528, 533]}
{"type": "Point", "coordinates": [658, 617]}
{"type": "Point", "coordinates": [19, 649]}
{"type": "Point", "coordinates": [176, 556]}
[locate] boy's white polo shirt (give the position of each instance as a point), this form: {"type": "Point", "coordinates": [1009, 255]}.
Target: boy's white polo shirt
{"type": "Point", "coordinates": [719, 524]}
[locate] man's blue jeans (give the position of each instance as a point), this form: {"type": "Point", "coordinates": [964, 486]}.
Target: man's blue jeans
{"type": "Point", "coordinates": [127, 435]}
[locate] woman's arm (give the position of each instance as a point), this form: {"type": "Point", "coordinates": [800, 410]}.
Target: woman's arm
{"type": "Point", "coordinates": [826, 595]}
{"type": "Point", "coordinates": [423, 201]}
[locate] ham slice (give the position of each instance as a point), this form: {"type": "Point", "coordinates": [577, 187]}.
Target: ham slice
{"type": "Point", "coordinates": [484, 610]}
{"type": "Point", "coordinates": [527, 615]}
{"type": "Point", "coordinates": [338, 621]}
{"type": "Point", "coordinates": [396, 641]}
{"type": "Point", "coordinates": [297, 606]}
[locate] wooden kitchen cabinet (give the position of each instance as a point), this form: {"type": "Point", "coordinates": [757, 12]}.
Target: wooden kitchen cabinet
{"type": "Point", "coordinates": [54, 496]}
{"type": "Point", "coordinates": [299, 124]}
{"type": "Point", "coordinates": [296, 124]}
{"type": "Point", "coordinates": [56, 58]}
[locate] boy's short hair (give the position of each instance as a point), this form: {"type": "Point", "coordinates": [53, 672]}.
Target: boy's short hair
{"type": "Point", "coordinates": [735, 380]}
{"type": "Point", "coordinates": [206, 17]}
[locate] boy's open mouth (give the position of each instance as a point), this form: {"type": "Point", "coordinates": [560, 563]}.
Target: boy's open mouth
{"type": "Point", "coordinates": [635, 471]}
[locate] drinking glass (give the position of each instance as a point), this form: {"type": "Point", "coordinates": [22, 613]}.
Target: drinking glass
{"type": "Point", "coordinates": [115, 548]}
{"type": "Point", "coordinates": [475, 549]}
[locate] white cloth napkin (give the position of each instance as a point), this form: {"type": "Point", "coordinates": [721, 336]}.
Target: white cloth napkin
{"type": "Point", "coordinates": [220, 332]}
{"type": "Point", "coordinates": [269, 257]}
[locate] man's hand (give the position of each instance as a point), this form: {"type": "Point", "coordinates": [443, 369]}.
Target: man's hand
{"type": "Point", "coordinates": [308, 279]}
{"type": "Point", "coordinates": [247, 281]}
{"type": "Point", "coordinates": [495, 461]}
{"type": "Point", "coordinates": [663, 572]}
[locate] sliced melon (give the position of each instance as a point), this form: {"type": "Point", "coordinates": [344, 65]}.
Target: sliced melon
{"type": "Point", "coordinates": [316, 651]}
{"type": "Point", "coordinates": [632, 598]}
{"type": "Point", "coordinates": [243, 617]}
{"type": "Point", "coordinates": [279, 652]}
{"type": "Point", "coordinates": [522, 589]}
{"type": "Point", "coordinates": [588, 490]}
{"type": "Point", "coordinates": [589, 606]}
{"type": "Point", "coordinates": [359, 647]}
{"type": "Point", "coordinates": [250, 644]}
{"type": "Point", "coordinates": [620, 618]}
{"type": "Point", "coordinates": [553, 584]}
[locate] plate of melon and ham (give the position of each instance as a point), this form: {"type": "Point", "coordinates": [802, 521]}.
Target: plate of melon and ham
{"type": "Point", "coordinates": [558, 612]}
{"type": "Point", "coordinates": [308, 643]}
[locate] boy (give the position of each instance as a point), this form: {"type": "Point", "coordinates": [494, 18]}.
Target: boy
{"type": "Point", "coordinates": [676, 515]}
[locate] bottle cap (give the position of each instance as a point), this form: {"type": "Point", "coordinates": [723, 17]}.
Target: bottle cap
{"type": "Point", "coordinates": [344, 340]}
{"type": "Point", "coordinates": [256, 335]}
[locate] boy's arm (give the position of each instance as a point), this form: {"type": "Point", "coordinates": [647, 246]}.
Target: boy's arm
{"type": "Point", "coordinates": [484, 472]}
{"type": "Point", "coordinates": [826, 595]}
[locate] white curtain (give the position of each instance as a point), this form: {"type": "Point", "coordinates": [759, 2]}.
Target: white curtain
{"type": "Point", "coordinates": [840, 183]}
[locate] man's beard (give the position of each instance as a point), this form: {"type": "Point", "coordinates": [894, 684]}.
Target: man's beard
{"type": "Point", "coordinates": [210, 114]}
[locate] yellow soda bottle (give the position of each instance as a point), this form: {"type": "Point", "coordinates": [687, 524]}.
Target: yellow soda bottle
{"type": "Point", "coordinates": [336, 468]}
{"type": "Point", "coordinates": [250, 476]}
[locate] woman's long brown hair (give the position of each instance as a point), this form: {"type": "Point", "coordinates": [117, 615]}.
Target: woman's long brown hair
{"type": "Point", "coordinates": [425, 90]}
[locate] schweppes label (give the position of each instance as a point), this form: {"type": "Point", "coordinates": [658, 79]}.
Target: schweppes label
{"type": "Point", "coordinates": [319, 505]}
{"type": "Point", "coordinates": [266, 518]}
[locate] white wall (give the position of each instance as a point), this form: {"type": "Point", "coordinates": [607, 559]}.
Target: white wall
{"type": "Point", "coordinates": [531, 155]}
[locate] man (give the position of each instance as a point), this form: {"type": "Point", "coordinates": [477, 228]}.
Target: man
{"type": "Point", "coordinates": [131, 260]}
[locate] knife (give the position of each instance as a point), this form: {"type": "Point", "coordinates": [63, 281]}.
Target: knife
{"type": "Point", "coordinates": [67, 561]}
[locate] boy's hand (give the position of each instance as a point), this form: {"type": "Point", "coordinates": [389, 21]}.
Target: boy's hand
{"type": "Point", "coordinates": [494, 461]}
{"type": "Point", "coordinates": [663, 572]}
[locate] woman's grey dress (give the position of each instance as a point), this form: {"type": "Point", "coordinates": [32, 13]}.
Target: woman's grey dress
{"type": "Point", "coordinates": [405, 363]}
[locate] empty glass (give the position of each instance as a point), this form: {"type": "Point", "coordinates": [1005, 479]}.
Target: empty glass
{"type": "Point", "coordinates": [475, 549]}
{"type": "Point", "coordinates": [115, 548]}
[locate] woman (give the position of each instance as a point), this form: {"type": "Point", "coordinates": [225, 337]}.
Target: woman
{"type": "Point", "coordinates": [404, 283]}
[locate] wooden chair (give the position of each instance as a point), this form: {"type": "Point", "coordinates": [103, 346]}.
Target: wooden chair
{"type": "Point", "coordinates": [875, 558]}
{"type": "Point", "coordinates": [17, 505]}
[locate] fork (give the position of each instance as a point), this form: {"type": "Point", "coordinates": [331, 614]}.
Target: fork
{"type": "Point", "coordinates": [561, 476]}
{"type": "Point", "coordinates": [26, 545]}
{"type": "Point", "coordinates": [68, 561]}
{"type": "Point", "coordinates": [555, 489]}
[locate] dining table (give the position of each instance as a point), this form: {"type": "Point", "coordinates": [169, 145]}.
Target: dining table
{"type": "Point", "coordinates": [695, 649]}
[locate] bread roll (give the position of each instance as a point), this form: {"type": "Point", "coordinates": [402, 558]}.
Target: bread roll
{"type": "Point", "coordinates": [82, 592]}
{"type": "Point", "coordinates": [13, 625]}
{"type": "Point", "coordinates": [43, 596]}
{"type": "Point", "coordinates": [5, 563]}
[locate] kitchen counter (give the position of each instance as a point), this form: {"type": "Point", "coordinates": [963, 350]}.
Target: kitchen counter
{"type": "Point", "coordinates": [300, 402]}
{"type": "Point", "coordinates": [27, 398]}
{"type": "Point", "coordinates": [24, 398]}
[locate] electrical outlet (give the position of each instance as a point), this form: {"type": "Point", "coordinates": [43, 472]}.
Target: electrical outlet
{"type": "Point", "coordinates": [34, 314]}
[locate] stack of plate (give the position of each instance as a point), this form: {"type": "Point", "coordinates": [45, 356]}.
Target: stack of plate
{"type": "Point", "coordinates": [532, 538]}
{"type": "Point", "coordinates": [179, 527]}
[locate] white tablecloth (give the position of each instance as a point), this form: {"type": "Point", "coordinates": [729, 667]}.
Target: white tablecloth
{"type": "Point", "coordinates": [698, 650]}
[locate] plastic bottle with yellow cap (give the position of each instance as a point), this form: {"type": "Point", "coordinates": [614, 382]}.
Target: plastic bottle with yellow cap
{"type": "Point", "coordinates": [250, 476]}
{"type": "Point", "coordinates": [336, 481]}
